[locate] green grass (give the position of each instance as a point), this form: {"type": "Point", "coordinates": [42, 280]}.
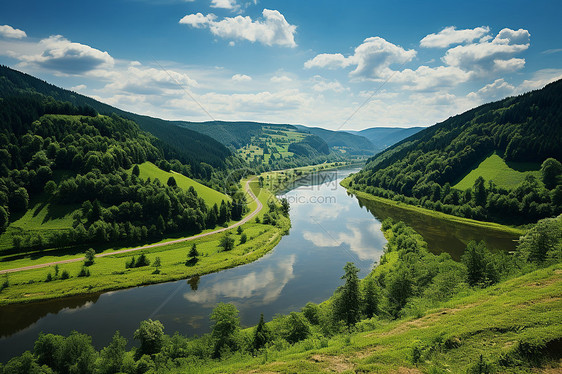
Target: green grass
{"type": "Point", "coordinates": [109, 273]}
{"type": "Point", "coordinates": [278, 141]}
{"type": "Point", "coordinates": [149, 170]}
{"type": "Point", "coordinates": [506, 175]}
{"type": "Point", "coordinates": [491, 322]}
{"type": "Point", "coordinates": [433, 213]}
{"type": "Point", "coordinates": [41, 218]}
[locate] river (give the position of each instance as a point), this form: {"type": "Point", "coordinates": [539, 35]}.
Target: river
{"type": "Point", "coordinates": [329, 228]}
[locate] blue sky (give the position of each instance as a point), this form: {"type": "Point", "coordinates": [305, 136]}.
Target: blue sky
{"type": "Point", "coordinates": [333, 64]}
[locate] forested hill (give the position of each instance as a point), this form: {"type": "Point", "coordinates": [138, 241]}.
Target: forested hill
{"type": "Point", "coordinates": [188, 146]}
{"type": "Point", "coordinates": [523, 130]}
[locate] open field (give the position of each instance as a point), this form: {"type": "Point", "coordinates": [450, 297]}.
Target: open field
{"type": "Point", "coordinates": [503, 174]}
{"type": "Point", "coordinates": [149, 170]}
{"type": "Point", "coordinates": [277, 141]}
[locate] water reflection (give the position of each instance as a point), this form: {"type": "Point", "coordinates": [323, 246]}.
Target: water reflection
{"type": "Point", "coordinates": [263, 286]}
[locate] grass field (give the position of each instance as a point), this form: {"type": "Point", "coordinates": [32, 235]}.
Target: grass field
{"type": "Point", "coordinates": [503, 174]}
{"type": "Point", "coordinates": [109, 273]}
{"type": "Point", "coordinates": [149, 170]}
{"type": "Point", "coordinates": [492, 322]}
{"type": "Point", "coordinates": [277, 140]}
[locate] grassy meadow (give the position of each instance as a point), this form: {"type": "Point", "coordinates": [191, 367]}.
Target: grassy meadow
{"type": "Point", "coordinates": [506, 175]}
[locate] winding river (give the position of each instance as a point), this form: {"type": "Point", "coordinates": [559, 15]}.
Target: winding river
{"type": "Point", "coordinates": [329, 228]}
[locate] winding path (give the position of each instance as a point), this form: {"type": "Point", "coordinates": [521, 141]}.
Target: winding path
{"type": "Point", "coordinates": [241, 222]}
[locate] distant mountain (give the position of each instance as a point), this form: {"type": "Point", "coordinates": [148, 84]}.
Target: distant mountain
{"type": "Point", "coordinates": [341, 140]}
{"type": "Point", "coordinates": [188, 146]}
{"type": "Point", "coordinates": [523, 131]}
{"type": "Point", "coordinates": [384, 137]}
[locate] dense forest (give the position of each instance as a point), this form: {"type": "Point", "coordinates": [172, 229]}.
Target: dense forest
{"type": "Point", "coordinates": [421, 169]}
{"type": "Point", "coordinates": [72, 156]}
{"type": "Point", "coordinates": [202, 153]}
{"type": "Point", "coordinates": [408, 282]}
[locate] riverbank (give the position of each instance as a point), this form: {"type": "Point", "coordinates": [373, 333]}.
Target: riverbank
{"type": "Point", "coordinates": [109, 273]}
{"type": "Point", "coordinates": [432, 213]}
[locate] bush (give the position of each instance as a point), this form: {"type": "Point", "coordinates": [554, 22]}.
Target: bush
{"type": "Point", "coordinates": [64, 275]}
{"type": "Point", "coordinates": [84, 272]}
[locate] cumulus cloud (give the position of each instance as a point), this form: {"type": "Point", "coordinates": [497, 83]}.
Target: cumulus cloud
{"type": "Point", "coordinates": [61, 55]}
{"type": "Point", "coordinates": [493, 91]}
{"type": "Point", "coordinates": [372, 59]}
{"type": "Point", "coordinates": [241, 78]}
{"type": "Point", "coordinates": [198, 20]}
{"type": "Point", "coordinates": [426, 78]}
{"type": "Point", "coordinates": [8, 31]}
{"type": "Point", "coordinates": [491, 56]}
{"type": "Point", "coordinates": [224, 4]}
{"type": "Point", "coordinates": [149, 81]}
{"type": "Point", "coordinates": [273, 29]}
{"type": "Point", "coordinates": [450, 35]}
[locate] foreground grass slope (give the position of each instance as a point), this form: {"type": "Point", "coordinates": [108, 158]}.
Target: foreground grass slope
{"type": "Point", "coordinates": [149, 170]}
{"type": "Point", "coordinates": [497, 322]}
{"type": "Point", "coordinates": [495, 169]}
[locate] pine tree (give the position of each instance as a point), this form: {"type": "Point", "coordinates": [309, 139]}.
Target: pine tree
{"type": "Point", "coordinates": [261, 335]}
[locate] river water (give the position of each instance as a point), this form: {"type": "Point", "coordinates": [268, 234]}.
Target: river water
{"type": "Point", "coordinates": [329, 228]}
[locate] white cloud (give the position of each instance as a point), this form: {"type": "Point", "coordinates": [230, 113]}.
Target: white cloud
{"type": "Point", "coordinates": [241, 78]}
{"type": "Point", "coordinates": [63, 56]}
{"type": "Point", "coordinates": [372, 59]}
{"type": "Point", "coordinates": [273, 29]}
{"type": "Point", "coordinates": [149, 81]}
{"type": "Point", "coordinates": [539, 79]}
{"type": "Point", "coordinates": [198, 20]}
{"type": "Point", "coordinates": [322, 85]}
{"type": "Point", "coordinates": [224, 4]}
{"type": "Point", "coordinates": [426, 78]}
{"type": "Point", "coordinates": [8, 31]}
{"type": "Point", "coordinates": [487, 57]}
{"type": "Point", "coordinates": [328, 60]}
{"type": "Point", "coordinates": [450, 35]}
{"type": "Point", "coordinates": [493, 91]}
{"type": "Point", "coordinates": [80, 87]}
{"type": "Point", "coordinates": [280, 79]}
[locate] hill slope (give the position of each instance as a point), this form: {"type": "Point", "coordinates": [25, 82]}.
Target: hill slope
{"type": "Point", "coordinates": [149, 170]}
{"type": "Point", "coordinates": [420, 169]}
{"type": "Point", "coordinates": [188, 146]}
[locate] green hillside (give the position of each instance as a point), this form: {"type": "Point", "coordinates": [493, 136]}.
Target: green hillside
{"type": "Point", "coordinates": [495, 169]}
{"type": "Point", "coordinates": [526, 130]}
{"type": "Point", "coordinates": [63, 182]}
{"type": "Point", "coordinates": [188, 146]}
{"type": "Point", "coordinates": [149, 170]}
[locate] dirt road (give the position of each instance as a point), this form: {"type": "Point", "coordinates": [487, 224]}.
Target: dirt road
{"type": "Point", "coordinates": [241, 222]}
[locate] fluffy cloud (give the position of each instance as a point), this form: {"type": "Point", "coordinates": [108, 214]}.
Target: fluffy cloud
{"type": "Point", "coordinates": [8, 31]}
{"type": "Point", "coordinates": [149, 81]}
{"type": "Point", "coordinates": [241, 78]}
{"type": "Point", "coordinates": [426, 78]}
{"type": "Point", "coordinates": [198, 20]}
{"type": "Point", "coordinates": [491, 56]}
{"type": "Point", "coordinates": [372, 59]}
{"type": "Point", "coordinates": [63, 56]}
{"type": "Point", "coordinates": [273, 29]}
{"type": "Point", "coordinates": [450, 35]}
{"type": "Point", "coordinates": [493, 91]}
{"type": "Point", "coordinates": [224, 4]}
